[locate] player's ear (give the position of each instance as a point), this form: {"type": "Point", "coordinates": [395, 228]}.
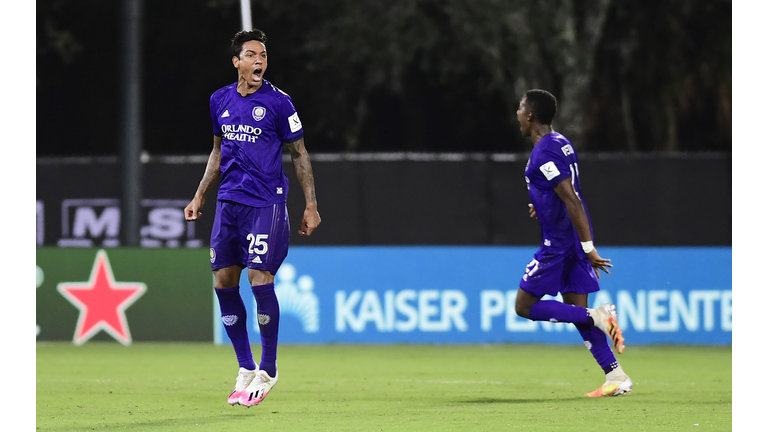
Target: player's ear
{"type": "Point", "coordinates": [236, 62]}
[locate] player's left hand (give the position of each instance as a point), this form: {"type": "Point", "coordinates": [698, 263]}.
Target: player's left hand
{"type": "Point", "coordinates": [532, 211]}
{"type": "Point", "coordinates": [599, 263]}
{"type": "Point", "coordinates": [309, 222]}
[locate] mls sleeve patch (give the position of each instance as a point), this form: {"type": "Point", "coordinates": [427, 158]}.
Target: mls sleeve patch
{"type": "Point", "coordinates": [294, 122]}
{"type": "Point", "coordinates": [550, 170]}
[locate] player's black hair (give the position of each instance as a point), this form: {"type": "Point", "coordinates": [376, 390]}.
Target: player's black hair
{"type": "Point", "coordinates": [542, 104]}
{"type": "Point", "coordinates": [244, 36]}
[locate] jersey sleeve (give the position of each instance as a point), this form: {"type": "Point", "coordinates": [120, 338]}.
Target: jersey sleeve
{"type": "Point", "coordinates": [553, 167]}
{"type": "Point", "coordinates": [289, 126]}
{"type": "Point", "coordinates": [214, 116]}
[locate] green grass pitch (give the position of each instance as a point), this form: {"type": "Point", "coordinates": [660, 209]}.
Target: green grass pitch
{"type": "Point", "coordinates": [183, 387]}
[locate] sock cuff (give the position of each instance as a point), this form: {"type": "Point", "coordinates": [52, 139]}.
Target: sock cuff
{"type": "Point", "coordinates": [612, 368]}
{"type": "Point", "coordinates": [590, 320]}
{"type": "Point", "coordinates": [225, 291]}
{"type": "Point", "coordinates": [262, 288]}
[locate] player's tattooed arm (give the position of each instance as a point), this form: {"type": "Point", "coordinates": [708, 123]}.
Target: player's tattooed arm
{"type": "Point", "coordinates": [304, 173]}
{"type": "Point", "coordinates": [212, 172]}
{"type": "Point", "coordinates": [300, 158]}
{"type": "Point", "coordinates": [212, 168]}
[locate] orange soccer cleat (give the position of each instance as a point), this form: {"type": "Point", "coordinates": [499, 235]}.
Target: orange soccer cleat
{"type": "Point", "coordinates": [605, 319]}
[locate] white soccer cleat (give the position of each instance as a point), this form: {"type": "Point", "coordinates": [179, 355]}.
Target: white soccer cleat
{"type": "Point", "coordinates": [613, 388]}
{"type": "Point", "coordinates": [244, 377]}
{"type": "Point", "coordinates": [258, 389]}
{"type": "Point", "coordinates": [605, 319]}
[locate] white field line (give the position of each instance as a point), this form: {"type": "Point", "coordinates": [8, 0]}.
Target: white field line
{"type": "Point", "coordinates": [453, 382]}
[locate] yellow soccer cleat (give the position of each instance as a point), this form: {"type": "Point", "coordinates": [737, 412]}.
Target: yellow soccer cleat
{"type": "Point", "coordinates": [612, 388]}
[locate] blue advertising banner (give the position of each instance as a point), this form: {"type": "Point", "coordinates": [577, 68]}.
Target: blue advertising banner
{"type": "Point", "coordinates": [414, 294]}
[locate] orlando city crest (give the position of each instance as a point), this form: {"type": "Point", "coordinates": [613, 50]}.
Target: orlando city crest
{"type": "Point", "coordinates": [259, 113]}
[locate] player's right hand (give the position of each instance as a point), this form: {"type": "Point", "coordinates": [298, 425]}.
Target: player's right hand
{"type": "Point", "coordinates": [192, 210]}
{"type": "Point", "coordinates": [309, 221]}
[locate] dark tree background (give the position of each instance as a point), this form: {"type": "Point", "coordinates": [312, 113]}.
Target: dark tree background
{"type": "Point", "coordinates": [419, 75]}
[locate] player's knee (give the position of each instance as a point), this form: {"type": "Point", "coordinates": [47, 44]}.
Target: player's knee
{"type": "Point", "coordinates": [260, 277]}
{"type": "Point", "coordinates": [227, 277]}
{"type": "Point", "coordinates": [522, 310]}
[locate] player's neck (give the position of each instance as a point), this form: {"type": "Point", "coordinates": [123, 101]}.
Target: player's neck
{"type": "Point", "coordinates": [245, 89]}
{"type": "Point", "coordinates": [538, 131]}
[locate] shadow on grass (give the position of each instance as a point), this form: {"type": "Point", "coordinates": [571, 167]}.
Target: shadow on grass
{"type": "Point", "coordinates": [517, 400]}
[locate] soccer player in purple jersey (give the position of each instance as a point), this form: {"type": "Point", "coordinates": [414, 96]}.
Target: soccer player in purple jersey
{"type": "Point", "coordinates": [252, 121]}
{"type": "Point", "coordinates": [567, 262]}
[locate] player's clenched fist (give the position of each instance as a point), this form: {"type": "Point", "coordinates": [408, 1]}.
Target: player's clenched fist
{"type": "Point", "coordinates": [192, 210]}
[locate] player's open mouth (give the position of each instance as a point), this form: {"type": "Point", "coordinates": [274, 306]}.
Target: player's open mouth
{"type": "Point", "coordinates": [257, 73]}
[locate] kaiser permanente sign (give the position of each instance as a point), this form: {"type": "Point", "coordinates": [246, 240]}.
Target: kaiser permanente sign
{"type": "Point", "coordinates": [467, 295]}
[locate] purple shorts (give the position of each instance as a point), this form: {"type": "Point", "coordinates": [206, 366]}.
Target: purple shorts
{"type": "Point", "coordinates": [553, 274]}
{"type": "Point", "coordinates": [253, 237]}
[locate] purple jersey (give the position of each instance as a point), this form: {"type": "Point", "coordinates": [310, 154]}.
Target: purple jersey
{"type": "Point", "coordinates": [252, 130]}
{"type": "Point", "coordinates": [553, 160]}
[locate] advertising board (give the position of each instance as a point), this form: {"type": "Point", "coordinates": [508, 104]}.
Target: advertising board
{"type": "Point", "coordinates": [676, 295]}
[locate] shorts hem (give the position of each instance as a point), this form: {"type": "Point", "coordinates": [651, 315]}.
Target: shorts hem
{"type": "Point", "coordinates": [215, 267]}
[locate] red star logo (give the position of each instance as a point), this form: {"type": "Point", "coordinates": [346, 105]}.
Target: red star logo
{"type": "Point", "coordinates": [102, 302]}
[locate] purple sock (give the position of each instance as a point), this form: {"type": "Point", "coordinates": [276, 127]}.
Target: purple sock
{"type": "Point", "coordinates": [597, 343]}
{"type": "Point", "coordinates": [553, 310]}
{"type": "Point", "coordinates": [269, 321]}
{"type": "Point", "coordinates": [233, 315]}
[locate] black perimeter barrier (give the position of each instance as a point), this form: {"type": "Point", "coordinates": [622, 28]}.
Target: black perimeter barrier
{"type": "Point", "coordinates": [404, 199]}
